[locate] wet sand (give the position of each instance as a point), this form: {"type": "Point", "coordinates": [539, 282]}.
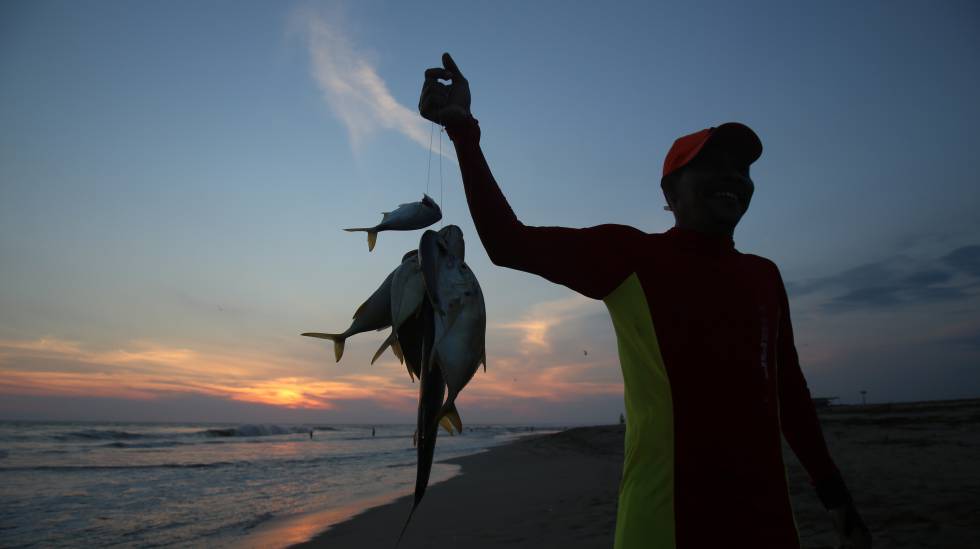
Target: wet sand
{"type": "Point", "coordinates": [913, 469]}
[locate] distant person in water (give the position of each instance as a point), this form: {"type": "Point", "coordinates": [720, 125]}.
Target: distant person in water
{"type": "Point", "coordinates": [372, 431]}
{"type": "Point", "coordinates": [311, 434]}
{"type": "Point", "coordinates": [705, 341]}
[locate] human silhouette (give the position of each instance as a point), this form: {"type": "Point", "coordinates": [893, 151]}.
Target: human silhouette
{"type": "Point", "coordinates": [704, 335]}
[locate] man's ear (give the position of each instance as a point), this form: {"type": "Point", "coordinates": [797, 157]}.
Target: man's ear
{"type": "Point", "coordinates": [669, 197]}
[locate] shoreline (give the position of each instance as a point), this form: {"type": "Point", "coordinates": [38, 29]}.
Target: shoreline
{"type": "Point", "coordinates": [296, 529]}
{"type": "Point", "coordinates": [910, 468]}
{"type": "Point", "coordinates": [543, 458]}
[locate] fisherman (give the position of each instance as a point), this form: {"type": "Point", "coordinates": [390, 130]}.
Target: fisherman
{"type": "Point", "coordinates": [705, 342]}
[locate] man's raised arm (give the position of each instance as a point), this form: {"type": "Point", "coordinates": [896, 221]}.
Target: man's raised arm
{"type": "Point", "coordinates": [591, 261]}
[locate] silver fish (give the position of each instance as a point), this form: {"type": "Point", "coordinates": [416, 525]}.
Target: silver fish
{"type": "Point", "coordinates": [436, 248]}
{"type": "Point", "coordinates": [461, 322]}
{"type": "Point", "coordinates": [407, 290]}
{"type": "Point", "coordinates": [407, 293]}
{"type": "Point", "coordinates": [460, 336]}
{"type": "Point", "coordinates": [407, 217]}
{"type": "Point", "coordinates": [373, 314]}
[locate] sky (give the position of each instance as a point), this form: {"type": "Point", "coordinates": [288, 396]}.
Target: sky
{"type": "Point", "coordinates": [174, 178]}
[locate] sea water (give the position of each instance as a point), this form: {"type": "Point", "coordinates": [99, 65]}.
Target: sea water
{"type": "Point", "coordinates": [105, 484]}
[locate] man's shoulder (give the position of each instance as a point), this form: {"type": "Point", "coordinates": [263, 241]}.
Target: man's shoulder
{"type": "Point", "coordinates": [622, 233]}
{"type": "Point", "coordinates": [764, 264]}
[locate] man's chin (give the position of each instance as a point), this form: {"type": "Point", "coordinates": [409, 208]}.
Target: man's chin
{"type": "Point", "coordinates": [726, 221]}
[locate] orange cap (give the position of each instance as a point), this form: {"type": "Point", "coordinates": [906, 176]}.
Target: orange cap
{"type": "Point", "coordinates": [738, 138]}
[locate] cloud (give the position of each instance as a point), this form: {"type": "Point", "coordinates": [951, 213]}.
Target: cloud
{"type": "Point", "coordinates": [541, 319]}
{"type": "Point", "coordinates": [150, 371]}
{"type": "Point", "coordinates": [896, 281]}
{"type": "Point", "coordinates": [351, 85]}
{"type": "Point", "coordinates": [966, 259]}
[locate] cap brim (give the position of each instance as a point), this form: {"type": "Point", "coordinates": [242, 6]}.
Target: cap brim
{"type": "Point", "coordinates": [739, 139]}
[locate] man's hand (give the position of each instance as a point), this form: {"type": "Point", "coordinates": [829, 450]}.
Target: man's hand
{"type": "Point", "coordinates": [442, 104]}
{"type": "Point", "coordinates": [851, 531]}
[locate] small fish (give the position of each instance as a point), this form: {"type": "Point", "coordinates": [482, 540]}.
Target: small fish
{"type": "Point", "coordinates": [373, 314]}
{"type": "Point", "coordinates": [407, 217]}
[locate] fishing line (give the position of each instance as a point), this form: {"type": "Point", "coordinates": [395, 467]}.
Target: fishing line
{"type": "Point", "coordinates": [428, 168]}
{"type": "Point", "coordinates": [442, 205]}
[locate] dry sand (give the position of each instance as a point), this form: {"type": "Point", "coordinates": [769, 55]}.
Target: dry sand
{"type": "Point", "coordinates": [913, 470]}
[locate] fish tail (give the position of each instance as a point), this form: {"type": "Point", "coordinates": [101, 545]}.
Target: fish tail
{"type": "Point", "coordinates": [338, 342]}
{"type": "Point", "coordinates": [371, 234]}
{"type": "Point", "coordinates": [396, 348]}
{"type": "Point", "coordinates": [410, 513]}
{"type": "Point", "coordinates": [449, 415]}
{"type": "Point", "coordinates": [391, 341]}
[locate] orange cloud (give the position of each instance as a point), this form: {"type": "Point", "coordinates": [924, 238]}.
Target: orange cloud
{"type": "Point", "coordinates": [56, 367]}
{"type": "Point", "coordinates": [541, 318]}
{"type": "Point", "coordinates": [516, 377]}
{"type": "Point", "coordinates": [149, 370]}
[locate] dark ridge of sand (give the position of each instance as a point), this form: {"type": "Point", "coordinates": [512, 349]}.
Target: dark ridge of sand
{"type": "Point", "coordinates": [913, 470]}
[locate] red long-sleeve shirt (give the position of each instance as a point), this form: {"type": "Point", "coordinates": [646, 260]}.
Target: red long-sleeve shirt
{"type": "Point", "coordinates": [710, 369]}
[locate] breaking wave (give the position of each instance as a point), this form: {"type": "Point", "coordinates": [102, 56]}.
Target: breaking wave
{"type": "Point", "coordinates": [128, 439]}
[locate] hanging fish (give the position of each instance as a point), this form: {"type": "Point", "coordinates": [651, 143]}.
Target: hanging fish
{"type": "Point", "coordinates": [461, 323]}
{"type": "Point", "coordinates": [407, 217]}
{"type": "Point", "coordinates": [436, 248]}
{"type": "Point", "coordinates": [407, 289]}
{"type": "Point", "coordinates": [460, 337]}
{"type": "Point", "coordinates": [410, 335]}
{"type": "Point", "coordinates": [432, 389]}
{"type": "Point", "coordinates": [373, 314]}
{"type": "Point", "coordinates": [407, 293]}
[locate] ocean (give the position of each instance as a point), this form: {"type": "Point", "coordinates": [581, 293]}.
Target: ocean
{"type": "Point", "coordinates": [201, 484]}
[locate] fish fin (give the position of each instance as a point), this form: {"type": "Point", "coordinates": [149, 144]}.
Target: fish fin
{"type": "Point", "coordinates": [372, 240]}
{"type": "Point", "coordinates": [483, 359]}
{"type": "Point", "coordinates": [384, 345]}
{"type": "Point", "coordinates": [338, 342]}
{"type": "Point", "coordinates": [410, 373]}
{"type": "Point", "coordinates": [397, 349]}
{"type": "Point", "coordinates": [451, 416]}
{"type": "Point", "coordinates": [359, 309]}
{"type": "Point", "coordinates": [357, 229]}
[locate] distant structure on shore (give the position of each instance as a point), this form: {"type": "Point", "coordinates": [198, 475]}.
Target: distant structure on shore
{"type": "Point", "coordinates": [823, 402]}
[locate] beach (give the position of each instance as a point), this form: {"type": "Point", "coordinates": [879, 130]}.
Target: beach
{"type": "Point", "coordinates": [911, 468]}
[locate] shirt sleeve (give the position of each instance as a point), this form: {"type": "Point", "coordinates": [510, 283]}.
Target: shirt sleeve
{"type": "Point", "coordinates": [798, 416]}
{"type": "Point", "coordinates": [592, 261]}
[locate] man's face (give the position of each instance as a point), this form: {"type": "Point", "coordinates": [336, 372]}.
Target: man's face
{"type": "Point", "coordinates": [712, 193]}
